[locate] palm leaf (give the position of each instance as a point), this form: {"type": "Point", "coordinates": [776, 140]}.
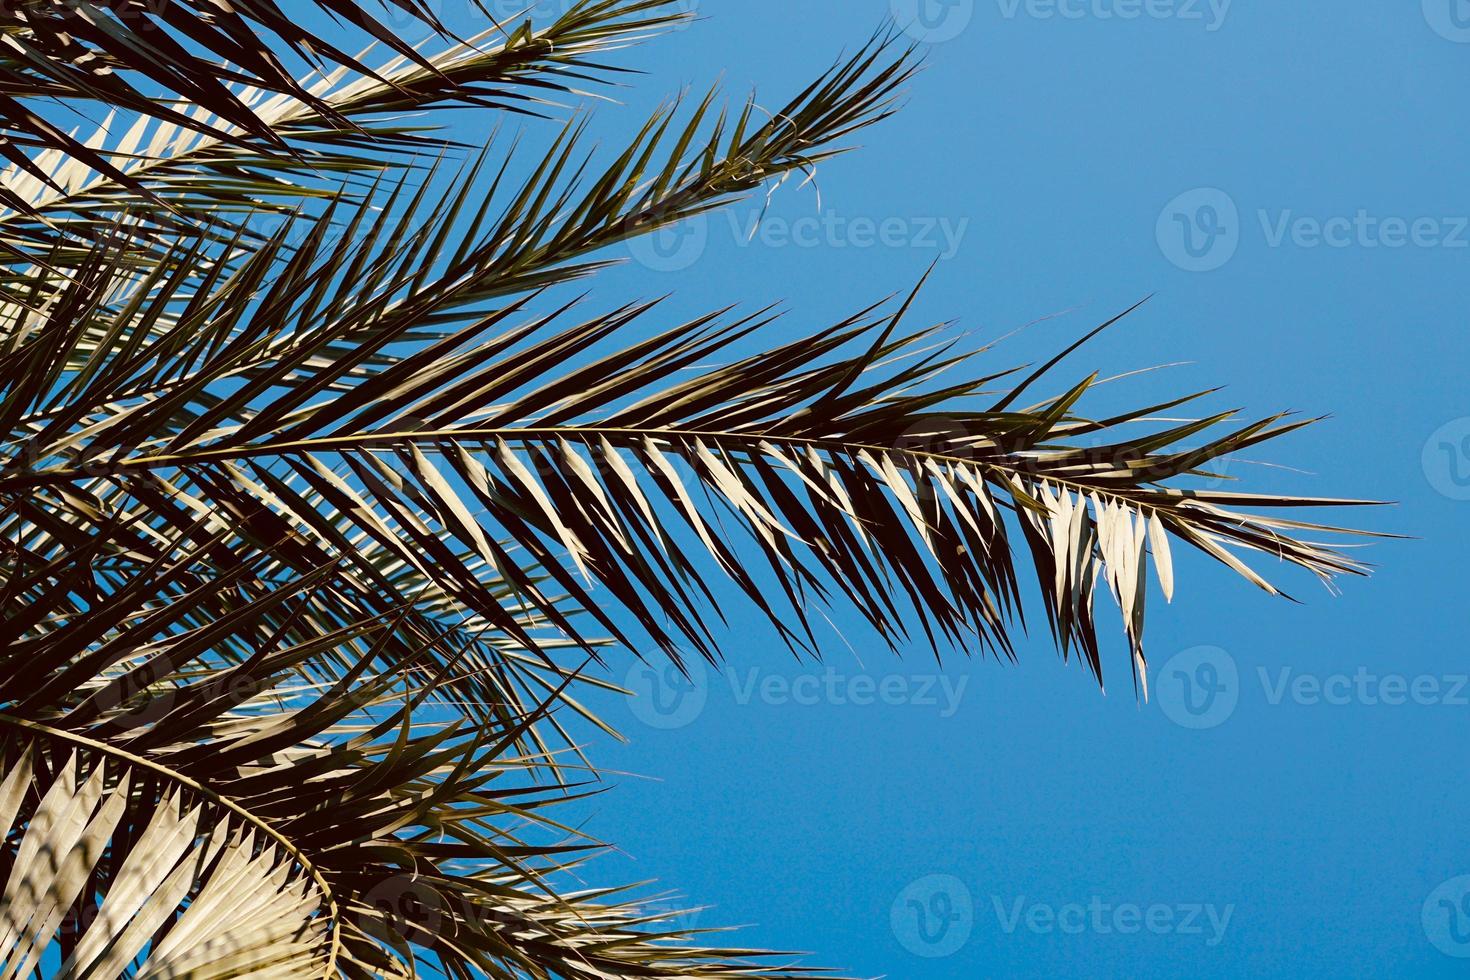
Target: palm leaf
{"type": "Point", "coordinates": [850, 469]}
{"type": "Point", "coordinates": [364, 827]}
{"type": "Point", "coordinates": [312, 532]}
{"type": "Point", "coordinates": [102, 53]}
{"type": "Point", "coordinates": [158, 877]}
{"type": "Point", "coordinates": [205, 172]}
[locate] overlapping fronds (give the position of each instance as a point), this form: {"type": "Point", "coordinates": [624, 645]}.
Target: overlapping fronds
{"type": "Point", "coordinates": [309, 528]}
{"type": "Point", "coordinates": [121, 870]}
{"type": "Point", "coordinates": [198, 64]}
{"type": "Point", "coordinates": [120, 357]}
{"type": "Point", "coordinates": [364, 826]}
{"type": "Point", "coordinates": [854, 466]}
{"type": "Point", "coordinates": [204, 170]}
{"type": "Point", "coordinates": [373, 699]}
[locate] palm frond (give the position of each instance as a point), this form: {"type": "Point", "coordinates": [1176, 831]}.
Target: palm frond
{"type": "Point", "coordinates": [122, 353]}
{"type": "Point", "coordinates": [283, 815]}
{"type": "Point", "coordinates": [196, 169]}
{"type": "Point", "coordinates": [203, 53]}
{"type": "Point", "coordinates": [310, 533]}
{"type": "Point", "coordinates": [484, 436]}
{"type": "Point", "coordinates": [120, 864]}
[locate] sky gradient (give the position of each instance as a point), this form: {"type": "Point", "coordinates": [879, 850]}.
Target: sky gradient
{"type": "Point", "coordinates": [1288, 180]}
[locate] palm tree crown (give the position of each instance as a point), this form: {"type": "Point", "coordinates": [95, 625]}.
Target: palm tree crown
{"type": "Point", "coordinates": [321, 490]}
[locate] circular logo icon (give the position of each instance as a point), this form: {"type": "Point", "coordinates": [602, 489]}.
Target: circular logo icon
{"type": "Point", "coordinates": [1446, 917]}
{"type": "Point", "coordinates": [674, 247]}
{"type": "Point", "coordinates": [1199, 230]}
{"type": "Point", "coordinates": [933, 917]}
{"type": "Point", "coordinates": [665, 697]}
{"type": "Point", "coordinates": [1446, 459]}
{"type": "Point", "coordinates": [1198, 688]}
{"type": "Point", "coordinates": [940, 434]}
{"type": "Point", "coordinates": [932, 21]}
{"type": "Point", "coordinates": [1449, 18]}
{"type": "Point", "coordinates": [403, 906]}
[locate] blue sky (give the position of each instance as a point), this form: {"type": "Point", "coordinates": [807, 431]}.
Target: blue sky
{"type": "Point", "coordinates": [1288, 179]}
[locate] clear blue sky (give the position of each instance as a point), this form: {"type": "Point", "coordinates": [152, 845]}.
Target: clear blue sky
{"type": "Point", "coordinates": [1289, 178]}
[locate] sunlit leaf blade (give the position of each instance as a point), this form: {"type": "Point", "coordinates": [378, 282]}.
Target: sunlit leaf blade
{"type": "Point", "coordinates": [323, 500]}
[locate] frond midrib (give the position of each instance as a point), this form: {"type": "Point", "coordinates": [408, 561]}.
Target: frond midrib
{"type": "Point", "coordinates": [260, 823]}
